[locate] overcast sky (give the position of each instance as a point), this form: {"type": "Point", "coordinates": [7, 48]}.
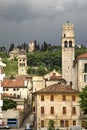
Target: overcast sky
{"type": "Point", "coordinates": [41, 20]}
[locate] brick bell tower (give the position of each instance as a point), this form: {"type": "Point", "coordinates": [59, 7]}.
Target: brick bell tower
{"type": "Point", "coordinates": [68, 52]}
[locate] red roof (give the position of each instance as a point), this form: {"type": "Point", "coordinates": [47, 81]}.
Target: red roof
{"type": "Point", "coordinates": [57, 88]}
{"type": "Point", "coordinates": [7, 95]}
{"type": "Point", "coordinates": [9, 83]}
{"type": "Point", "coordinates": [82, 56]}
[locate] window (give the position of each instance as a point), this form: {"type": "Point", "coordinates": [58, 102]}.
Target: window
{"type": "Point", "coordinates": [70, 43]}
{"type": "Point", "coordinates": [23, 64]}
{"type": "Point", "coordinates": [33, 108]}
{"type": "Point", "coordinates": [6, 89]}
{"type": "Point", "coordinates": [64, 110]}
{"type": "Point", "coordinates": [61, 123]}
{"type": "Point", "coordinates": [18, 96]}
{"type": "Point", "coordinates": [13, 89]}
{"type": "Point", "coordinates": [85, 67]}
{"type": "Point", "coordinates": [85, 78]}
{"type": "Point", "coordinates": [42, 123]}
{"type": "Point", "coordinates": [42, 97]}
{"type": "Point", "coordinates": [65, 44]}
{"type": "Point", "coordinates": [42, 110]}
{"type": "Point", "coordinates": [73, 97]}
{"type": "Point", "coordinates": [64, 97]}
{"type": "Point", "coordinates": [74, 110]}
{"type": "Point", "coordinates": [64, 35]}
{"type": "Point", "coordinates": [52, 110]}
{"type": "Point", "coordinates": [66, 123]}
{"type": "Point", "coordinates": [52, 97]}
{"type": "Point", "coordinates": [17, 89]}
{"type": "Point", "coordinates": [20, 64]}
{"type": "Point", "coordinates": [74, 122]}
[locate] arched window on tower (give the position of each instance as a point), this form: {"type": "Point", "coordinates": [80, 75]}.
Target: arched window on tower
{"type": "Point", "coordinates": [70, 43]}
{"type": "Point", "coordinates": [65, 43]}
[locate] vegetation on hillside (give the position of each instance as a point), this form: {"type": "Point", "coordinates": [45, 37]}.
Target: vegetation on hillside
{"type": "Point", "coordinates": [44, 59]}
{"type": "Point", "coordinates": [11, 67]}
{"type": "Point", "coordinates": [50, 60]}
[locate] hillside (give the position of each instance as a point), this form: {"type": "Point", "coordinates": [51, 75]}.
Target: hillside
{"type": "Point", "coordinates": [47, 59]}
{"type": "Point", "coordinates": [11, 67]}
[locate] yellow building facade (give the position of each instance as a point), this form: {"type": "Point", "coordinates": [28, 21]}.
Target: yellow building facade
{"type": "Point", "coordinates": [56, 102]}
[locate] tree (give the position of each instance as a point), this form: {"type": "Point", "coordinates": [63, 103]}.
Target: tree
{"type": "Point", "coordinates": [41, 71]}
{"type": "Point", "coordinates": [9, 104]}
{"type": "Point", "coordinates": [11, 47]}
{"type": "Point", "coordinates": [83, 100]}
{"type": "Point", "coordinates": [31, 71]}
{"type": "Point", "coordinates": [51, 125]}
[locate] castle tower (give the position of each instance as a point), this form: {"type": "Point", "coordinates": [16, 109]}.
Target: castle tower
{"type": "Point", "coordinates": [22, 62]}
{"type": "Point", "coordinates": [31, 47]}
{"type": "Point", "coordinates": [68, 52]}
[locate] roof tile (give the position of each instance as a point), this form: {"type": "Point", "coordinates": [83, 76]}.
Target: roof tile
{"type": "Point", "coordinates": [9, 83]}
{"type": "Point", "coordinates": [57, 88]}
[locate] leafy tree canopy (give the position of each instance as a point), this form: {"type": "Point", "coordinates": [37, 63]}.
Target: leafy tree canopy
{"type": "Point", "coordinates": [51, 125]}
{"type": "Point", "coordinates": [11, 47]}
{"type": "Point", "coordinates": [9, 104]}
{"type": "Point", "coordinates": [83, 100]}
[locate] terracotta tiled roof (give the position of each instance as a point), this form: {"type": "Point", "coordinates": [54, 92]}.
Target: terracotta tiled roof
{"type": "Point", "coordinates": [57, 88]}
{"type": "Point", "coordinates": [9, 83]}
{"type": "Point", "coordinates": [7, 95]}
{"type": "Point", "coordinates": [82, 56]}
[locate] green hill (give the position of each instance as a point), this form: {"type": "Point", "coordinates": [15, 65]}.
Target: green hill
{"type": "Point", "coordinates": [11, 67]}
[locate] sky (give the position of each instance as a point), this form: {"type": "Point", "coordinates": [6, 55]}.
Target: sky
{"type": "Point", "coordinates": [41, 20]}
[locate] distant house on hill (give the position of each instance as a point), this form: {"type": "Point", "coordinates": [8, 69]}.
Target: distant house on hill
{"type": "Point", "coordinates": [31, 46]}
{"type": "Point", "coordinates": [14, 54]}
